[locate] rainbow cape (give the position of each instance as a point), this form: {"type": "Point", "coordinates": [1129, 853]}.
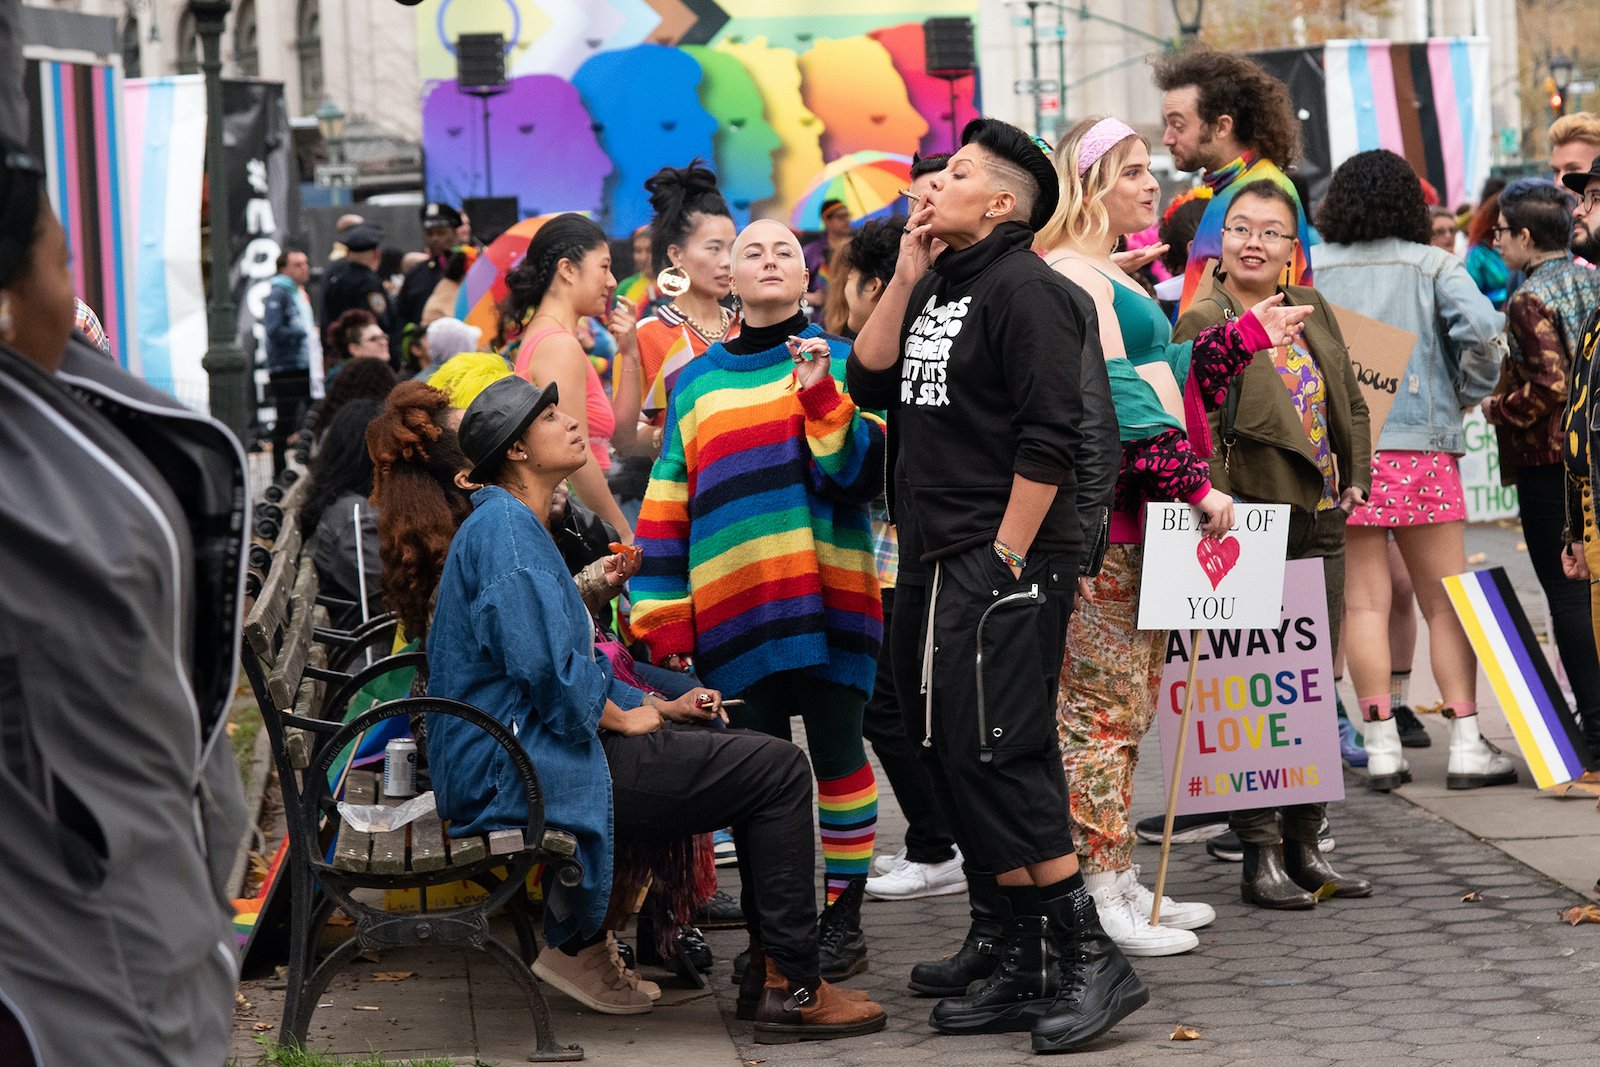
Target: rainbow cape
{"type": "Point", "coordinates": [1220, 187]}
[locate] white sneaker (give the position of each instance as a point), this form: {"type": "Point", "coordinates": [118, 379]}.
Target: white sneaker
{"type": "Point", "coordinates": [1130, 930]}
{"type": "Point", "coordinates": [910, 881]}
{"type": "Point", "coordinates": [1191, 915]}
{"type": "Point", "coordinates": [885, 864]}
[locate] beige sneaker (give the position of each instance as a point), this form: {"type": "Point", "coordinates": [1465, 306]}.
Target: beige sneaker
{"type": "Point", "coordinates": [594, 978]}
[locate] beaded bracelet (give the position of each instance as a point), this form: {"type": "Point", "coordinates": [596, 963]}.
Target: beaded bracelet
{"type": "Point", "coordinates": [1008, 557]}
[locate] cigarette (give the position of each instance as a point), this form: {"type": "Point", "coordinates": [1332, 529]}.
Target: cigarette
{"type": "Point", "coordinates": [733, 703]}
{"type": "Point", "coordinates": [909, 195]}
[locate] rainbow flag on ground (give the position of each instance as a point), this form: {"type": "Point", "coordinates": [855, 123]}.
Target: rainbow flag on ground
{"type": "Point", "coordinates": [677, 358]}
{"type": "Point", "coordinates": [1543, 724]}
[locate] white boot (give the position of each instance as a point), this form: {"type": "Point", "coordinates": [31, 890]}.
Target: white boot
{"type": "Point", "coordinates": [1475, 762]}
{"type": "Point", "coordinates": [1131, 931]}
{"type": "Point", "coordinates": [1386, 765]}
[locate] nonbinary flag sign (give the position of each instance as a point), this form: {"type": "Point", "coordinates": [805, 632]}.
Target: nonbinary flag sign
{"type": "Point", "coordinates": [1534, 705]}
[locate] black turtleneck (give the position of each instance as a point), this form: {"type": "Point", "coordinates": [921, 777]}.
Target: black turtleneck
{"type": "Point", "coordinates": [753, 339]}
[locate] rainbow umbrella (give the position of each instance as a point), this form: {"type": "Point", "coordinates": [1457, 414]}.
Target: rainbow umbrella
{"type": "Point", "coordinates": [483, 290]}
{"type": "Point", "coordinates": [867, 182]}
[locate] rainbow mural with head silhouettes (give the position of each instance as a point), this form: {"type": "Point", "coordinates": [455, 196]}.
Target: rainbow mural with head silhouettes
{"type": "Point", "coordinates": [604, 93]}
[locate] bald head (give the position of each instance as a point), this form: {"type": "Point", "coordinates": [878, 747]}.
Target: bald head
{"type": "Point", "coordinates": [765, 232]}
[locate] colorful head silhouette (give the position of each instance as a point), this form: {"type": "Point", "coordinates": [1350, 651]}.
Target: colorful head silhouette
{"type": "Point", "coordinates": [929, 95]}
{"type": "Point", "coordinates": [657, 122]}
{"type": "Point", "coordinates": [745, 141]}
{"type": "Point", "coordinates": [539, 119]}
{"type": "Point", "coordinates": [776, 73]}
{"type": "Point", "coordinates": [853, 87]}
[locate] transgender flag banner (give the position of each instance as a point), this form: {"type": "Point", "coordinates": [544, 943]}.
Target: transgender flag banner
{"type": "Point", "coordinates": [1521, 676]}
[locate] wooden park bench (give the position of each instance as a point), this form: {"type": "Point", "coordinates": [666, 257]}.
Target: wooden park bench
{"type": "Point", "coordinates": [301, 674]}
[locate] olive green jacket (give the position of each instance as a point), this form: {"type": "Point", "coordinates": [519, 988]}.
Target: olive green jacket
{"type": "Point", "coordinates": [1271, 459]}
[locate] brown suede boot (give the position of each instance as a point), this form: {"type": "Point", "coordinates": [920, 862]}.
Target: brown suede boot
{"type": "Point", "coordinates": [785, 1015]}
{"type": "Point", "coordinates": [755, 980]}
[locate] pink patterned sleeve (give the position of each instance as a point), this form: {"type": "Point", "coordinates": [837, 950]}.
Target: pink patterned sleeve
{"type": "Point", "coordinates": [1165, 467]}
{"type": "Point", "coordinates": [1222, 352]}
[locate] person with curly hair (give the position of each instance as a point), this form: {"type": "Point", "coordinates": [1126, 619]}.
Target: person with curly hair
{"type": "Point", "coordinates": [1227, 118]}
{"type": "Point", "coordinates": [1378, 262]}
{"type": "Point", "coordinates": [369, 379]}
{"type": "Point", "coordinates": [565, 276]}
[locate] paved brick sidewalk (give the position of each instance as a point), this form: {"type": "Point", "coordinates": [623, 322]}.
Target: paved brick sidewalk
{"type": "Point", "coordinates": [1410, 976]}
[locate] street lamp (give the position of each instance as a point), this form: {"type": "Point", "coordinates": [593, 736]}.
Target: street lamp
{"type": "Point", "coordinates": [1188, 14]}
{"type": "Point", "coordinates": [225, 364]}
{"type": "Point", "coordinates": [330, 121]}
{"type": "Point", "coordinates": [1561, 75]}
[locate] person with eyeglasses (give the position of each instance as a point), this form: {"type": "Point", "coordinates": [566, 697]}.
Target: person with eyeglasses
{"type": "Point", "coordinates": [1377, 261]}
{"type": "Point", "coordinates": [1294, 430]}
{"type": "Point", "coordinates": [1108, 680]}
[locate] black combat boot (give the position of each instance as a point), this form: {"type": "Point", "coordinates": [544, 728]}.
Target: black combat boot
{"type": "Point", "coordinates": [1096, 987]}
{"type": "Point", "coordinates": [841, 945]}
{"type": "Point", "coordinates": [1012, 998]}
{"type": "Point", "coordinates": [979, 954]}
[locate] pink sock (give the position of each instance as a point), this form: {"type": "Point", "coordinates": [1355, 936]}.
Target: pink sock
{"type": "Point", "coordinates": [1460, 709]}
{"type": "Point", "coordinates": [1374, 709]}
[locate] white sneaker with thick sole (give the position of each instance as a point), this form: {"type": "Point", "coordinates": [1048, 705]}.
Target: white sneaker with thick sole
{"type": "Point", "coordinates": [885, 864]}
{"type": "Point", "coordinates": [910, 881]}
{"type": "Point", "coordinates": [1130, 930]}
{"type": "Point", "coordinates": [1185, 915]}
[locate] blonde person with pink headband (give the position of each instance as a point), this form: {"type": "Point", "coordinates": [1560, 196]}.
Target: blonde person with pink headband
{"type": "Point", "coordinates": [1161, 392]}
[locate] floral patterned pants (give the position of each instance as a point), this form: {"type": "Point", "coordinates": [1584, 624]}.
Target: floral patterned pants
{"type": "Point", "coordinates": [1106, 703]}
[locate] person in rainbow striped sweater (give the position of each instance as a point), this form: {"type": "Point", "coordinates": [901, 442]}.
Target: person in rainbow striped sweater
{"type": "Point", "coordinates": [758, 552]}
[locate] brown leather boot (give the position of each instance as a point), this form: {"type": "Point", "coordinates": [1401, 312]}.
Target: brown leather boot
{"type": "Point", "coordinates": [755, 980]}
{"type": "Point", "coordinates": [786, 1013]}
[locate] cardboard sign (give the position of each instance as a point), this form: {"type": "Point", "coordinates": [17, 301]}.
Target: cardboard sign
{"type": "Point", "coordinates": [1379, 354]}
{"type": "Point", "coordinates": [1192, 582]}
{"type": "Point", "coordinates": [1264, 731]}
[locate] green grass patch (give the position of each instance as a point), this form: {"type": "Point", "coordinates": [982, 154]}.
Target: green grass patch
{"type": "Point", "coordinates": [244, 724]}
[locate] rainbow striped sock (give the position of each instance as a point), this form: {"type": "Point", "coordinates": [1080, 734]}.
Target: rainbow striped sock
{"type": "Point", "coordinates": [847, 814]}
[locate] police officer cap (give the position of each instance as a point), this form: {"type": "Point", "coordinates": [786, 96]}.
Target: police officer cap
{"type": "Point", "coordinates": [362, 237]}
{"type": "Point", "coordinates": [435, 214]}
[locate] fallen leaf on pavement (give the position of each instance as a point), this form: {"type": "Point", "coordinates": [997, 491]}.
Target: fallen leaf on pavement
{"type": "Point", "coordinates": [1324, 891]}
{"type": "Point", "coordinates": [1472, 897]}
{"type": "Point", "coordinates": [365, 1007]}
{"type": "Point", "coordinates": [1588, 913]}
{"type": "Point", "coordinates": [1522, 546]}
{"type": "Point", "coordinates": [1477, 558]}
{"type": "Point", "coordinates": [1185, 1033]}
{"type": "Point", "coordinates": [262, 1028]}
{"type": "Point", "coordinates": [392, 976]}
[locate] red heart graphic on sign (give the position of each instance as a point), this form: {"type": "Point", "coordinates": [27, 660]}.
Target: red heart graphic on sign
{"type": "Point", "coordinates": [1217, 558]}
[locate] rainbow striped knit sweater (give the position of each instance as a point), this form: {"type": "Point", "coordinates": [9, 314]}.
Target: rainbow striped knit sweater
{"type": "Point", "coordinates": [755, 530]}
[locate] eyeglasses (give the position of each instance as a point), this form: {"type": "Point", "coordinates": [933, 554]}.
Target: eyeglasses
{"type": "Point", "coordinates": [1267, 237]}
{"type": "Point", "coordinates": [1590, 201]}
{"type": "Point", "coordinates": [1496, 231]}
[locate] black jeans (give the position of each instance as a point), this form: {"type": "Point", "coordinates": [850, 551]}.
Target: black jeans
{"type": "Point", "coordinates": [684, 780]}
{"type": "Point", "coordinates": [290, 392]}
{"type": "Point", "coordinates": [1541, 497]}
{"type": "Point", "coordinates": [1311, 536]}
{"type": "Point", "coordinates": [928, 838]}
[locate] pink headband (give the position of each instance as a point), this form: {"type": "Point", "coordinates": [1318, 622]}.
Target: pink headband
{"type": "Point", "coordinates": [1099, 140]}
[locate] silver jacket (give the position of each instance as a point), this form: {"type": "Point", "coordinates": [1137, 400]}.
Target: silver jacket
{"type": "Point", "coordinates": [121, 549]}
{"type": "Point", "coordinates": [1455, 362]}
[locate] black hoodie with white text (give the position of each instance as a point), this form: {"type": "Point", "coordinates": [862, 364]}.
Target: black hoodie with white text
{"type": "Point", "coordinates": [987, 386]}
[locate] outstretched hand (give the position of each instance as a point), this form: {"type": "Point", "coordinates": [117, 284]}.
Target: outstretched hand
{"type": "Point", "coordinates": [1133, 260]}
{"type": "Point", "coordinates": [1283, 323]}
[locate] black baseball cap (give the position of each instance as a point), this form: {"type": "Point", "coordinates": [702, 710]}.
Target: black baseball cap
{"type": "Point", "coordinates": [500, 415]}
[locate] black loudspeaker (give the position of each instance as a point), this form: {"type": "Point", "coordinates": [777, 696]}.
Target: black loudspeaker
{"type": "Point", "coordinates": [491, 215]}
{"type": "Point", "coordinates": [947, 46]}
{"type": "Point", "coordinates": [480, 60]}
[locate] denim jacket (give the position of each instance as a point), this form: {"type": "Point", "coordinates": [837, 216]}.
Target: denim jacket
{"type": "Point", "coordinates": [511, 636]}
{"type": "Point", "coordinates": [1455, 362]}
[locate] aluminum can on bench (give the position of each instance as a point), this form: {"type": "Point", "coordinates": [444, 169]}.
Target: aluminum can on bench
{"type": "Point", "coordinates": [400, 768]}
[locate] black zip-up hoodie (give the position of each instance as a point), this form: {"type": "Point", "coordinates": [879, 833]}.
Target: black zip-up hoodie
{"type": "Point", "coordinates": [987, 386]}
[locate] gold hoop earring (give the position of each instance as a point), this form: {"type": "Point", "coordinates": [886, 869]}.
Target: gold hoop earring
{"type": "Point", "coordinates": [673, 281]}
{"type": "Point", "coordinates": [5, 312]}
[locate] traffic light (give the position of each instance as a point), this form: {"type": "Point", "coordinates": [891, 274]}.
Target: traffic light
{"type": "Point", "coordinates": [1557, 103]}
